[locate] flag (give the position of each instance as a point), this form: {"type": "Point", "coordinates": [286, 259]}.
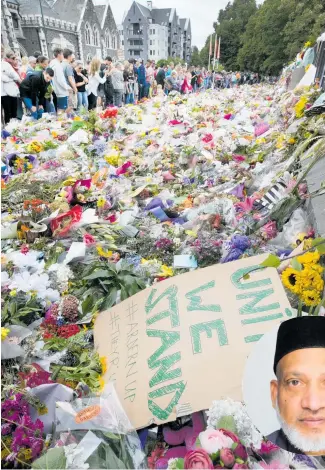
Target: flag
{"type": "Point", "coordinates": [210, 50]}
{"type": "Point", "coordinates": [218, 56]}
{"type": "Point", "coordinates": [215, 51]}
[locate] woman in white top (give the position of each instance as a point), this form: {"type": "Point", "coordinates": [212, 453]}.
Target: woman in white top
{"type": "Point", "coordinates": [10, 80]}
{"type": "Point", "coordinates": [94, 80]}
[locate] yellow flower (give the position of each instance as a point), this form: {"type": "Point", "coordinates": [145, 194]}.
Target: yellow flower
{"type": "Point", "coordinates": [101, 202]}
{"type": "Point", "coordinates": [311, 278]}
{"type": "Point", "coordinates": [42, 410]}
{"type": "Point", "coordinates": [112, 160]}
{"type": "Point", "coordinates": [165, 271]}
{"type": "Point", "coordinates": [291, 141]}
{"type": "Point", "coordinates": [291, 279]}
{"type": "Point", "coordinates": [101, 383]}
{"type": "Point", "coordinates": [103, 363]}
{"type": "Point", "coordinates": [307, 44]}
{"type": "Point", "coordinates": [191, 233]}
{"type": "Point", "coordinates": [4, 333]}
{"type": "Point", "coordinates": [13, 293]}
{"type": "Point", "coordinates": [77, 118]}
{"type": "Point", "coordinates": [310, 297]}
{"type": "Point", "coordinates": [309, 258]}
{"type": "Point", "coordinates": [300, 106]}
{"type": "Point", "coordinates": [103, 253]}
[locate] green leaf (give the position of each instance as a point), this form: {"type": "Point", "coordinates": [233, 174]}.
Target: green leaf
{"type": "Point", "coordinates": [97, 274]}
{"type": "Point", "coordinates": [54, 458]}
{"type": "Point", "coordinates": [246, 276]}
{"type": "Point", "coordinates": [228, 423]}
{"type": "Point", "coordinates": [110, 299]}
{"type": "Point", "coordinates": [316, 241]}
{"type": "Point", "coordinates": [180, 464]}
{"type": "Point", "coordinates": [124, 293]}
{"type": "Point", "coordinates": [271, 261]}
{"type": "Point", "coordinates": [87, 304]}
{"type": "Point", "coordinates": [321, 245]}
{"type": "Point", "coordinates": [296, 265]}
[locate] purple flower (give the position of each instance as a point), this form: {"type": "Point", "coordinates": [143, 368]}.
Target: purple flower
{"type": "Point", "coordinates": [6, 429]}
{"type": "Point", "coordinates": [241, 242]}
{"type": "Point", "coordinates": [232, 255]}
{"type": "Point", "coordinates": [238, 191]}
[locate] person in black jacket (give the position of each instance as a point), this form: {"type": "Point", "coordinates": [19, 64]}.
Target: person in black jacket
{"type": "Point", "coordinates": [160, 77]}
{"type": "Point", "coordinates": [33, 89]}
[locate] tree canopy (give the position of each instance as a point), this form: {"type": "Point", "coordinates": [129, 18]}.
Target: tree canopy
{"type": "Point", "coordinates": [263, 39]}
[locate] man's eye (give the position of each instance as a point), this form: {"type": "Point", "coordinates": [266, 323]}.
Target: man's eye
{"type": "Point", "coordinates": [293, 382]}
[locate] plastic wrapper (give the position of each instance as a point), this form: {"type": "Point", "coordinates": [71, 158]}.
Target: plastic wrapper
{"type": "Point", "coordinates": [298, 223]}
{"type": "Point", "coordinates": [97, 431]}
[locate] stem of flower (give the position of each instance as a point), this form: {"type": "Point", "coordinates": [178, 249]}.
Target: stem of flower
{"type": "Point", "coordinates": [22, 426]}
{"type": "Point", "coordinates": [299, 313]}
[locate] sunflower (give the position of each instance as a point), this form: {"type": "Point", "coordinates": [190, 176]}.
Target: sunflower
{"type": "Point", "coordinates": [310, 297]}
{"type": "Point", "coordinates": [311, 257]}
{"type": "Point", "coordinates": [103, 364]}
{"type": "Point", "coordinates": [292, 280]}
{"type": "Point", "coordinates": [311, 279]}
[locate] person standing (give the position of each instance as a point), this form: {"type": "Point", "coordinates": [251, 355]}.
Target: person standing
{"type": "Point", "coordinates": [170, 69]}
{"type": "Point", "coordinates": [160, 77]}
{"type": "Point", "coordinates": [118, 84]}
{"type": "Point", "coordinates": [68, 58]}
{"type": "Point", "coordinates": [150, 76]}
{"type": "Point", "coordinates": [141, 80]}
{"type": "Point", "coordinates": [31, 65]}
{"type": "Point", "coordinates": [59, 83]}
{"type": "Point", "coordinates": [10, 80]}
{"type": "Point", "coordinates": [42, 63]}
{"type": "Point", "coordinates": [94, 81]}
{"type": "Point", "coordinates": [108, 86]}
{"type": "Point", "coordinates": [33, 89]}
{"type": "Point", "coordinates": [81, 82]}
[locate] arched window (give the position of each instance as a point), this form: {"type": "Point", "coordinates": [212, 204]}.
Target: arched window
{"type": "Point", "coordinates": [107, 39]}
{"type": "Point", "coordinates": [88, 34]}
{"type": "Point", "coordinates": [96, 36]}
{"type": "Point", "coordinates": [114, 42]}
{"type": "Point", "coordinates": [89, 57]}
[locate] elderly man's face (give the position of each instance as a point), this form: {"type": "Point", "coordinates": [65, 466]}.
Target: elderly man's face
{"type": "Point", "coordinates": [299, 396]}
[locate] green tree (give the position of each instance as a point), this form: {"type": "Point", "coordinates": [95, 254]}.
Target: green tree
{"type": "Point", "coordinates": [230, 26]}
{"type": "Point", "coordinates": [195, 59]}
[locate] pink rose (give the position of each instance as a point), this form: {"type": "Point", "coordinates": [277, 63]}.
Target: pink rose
{"type": "Point", "coordinates": [230, 434]}
{"type": "Point", "coordinates": [240, 465]}
{"type": "Point", "coordinates": [274, 465]}
{"type": "Point", "coordinates": [227, 457]}
{"type": "Point", "coordinates": [269, 230]}
{"type": "Point", "coordinates": [198, 459]}
{"type": "Point", "coordinates": [267, 447]}
{"type": "Point", "coordinates": [212, 440]}
{"type": "Point", "coordinates": [239, 158]}
{"type": "Point", "coordinates": [240, 452]}
{"type": "Point", "coordinates": [89, 239]}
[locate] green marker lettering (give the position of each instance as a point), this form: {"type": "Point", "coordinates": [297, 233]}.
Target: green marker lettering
{"type": "Point", "coordinates": [257, 297]}
{"type": "Point", "coordinates": [236, 279]}
{"type": "Point", "coordinates": [155, 409]}
{"type": "Point", "coordinates": [275, 316]}
{"type": "Point", "coordinates": [162, 375]}
{"type": "Point", "coordinates": [207, 327]}
{"type": "Point", "coordinates": [195, 300]}
{"type": "Point", "coordinates": [172, 312]}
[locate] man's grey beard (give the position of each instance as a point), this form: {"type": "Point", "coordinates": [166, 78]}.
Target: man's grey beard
{"type": "Point", "coordinates": [298, 440]}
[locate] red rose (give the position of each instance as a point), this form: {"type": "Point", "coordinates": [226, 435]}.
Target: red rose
{"type": "Point", "coordinates": [199, 459]}
{"type": "Point", "coordinates": [227, 457]}
{"type": "Point", "coordinates": [89, 239]}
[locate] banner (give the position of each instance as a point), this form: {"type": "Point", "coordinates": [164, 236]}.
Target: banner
{"type": "Point", "coordinates": [218, 56]}
{"type": "Point", "coordinates": [175, 347]}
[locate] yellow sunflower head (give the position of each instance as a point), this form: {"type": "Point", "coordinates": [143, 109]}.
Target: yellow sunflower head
{"type": "Point", "coordinates": [292, 280]}
{"type": "Point", "coordinates": [311, 257]}
{"type": "Point", "coordinates": [310, 297]}
{"type": "Point", "coordinates": [311, 279]}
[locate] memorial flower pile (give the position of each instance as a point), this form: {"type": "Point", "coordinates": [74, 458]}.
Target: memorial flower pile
{"type": "Point", "coordinates": [97, 207]}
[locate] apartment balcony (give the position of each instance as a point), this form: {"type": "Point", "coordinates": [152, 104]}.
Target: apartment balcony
{"type": "Point", "coordinates": [135, 48]}
{"type": "Point", "coordinates": [132, 33]}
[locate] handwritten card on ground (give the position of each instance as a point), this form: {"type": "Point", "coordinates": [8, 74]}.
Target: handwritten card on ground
{"type": "Point", "coordinates": [175, 347]}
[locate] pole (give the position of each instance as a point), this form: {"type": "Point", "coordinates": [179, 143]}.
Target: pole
{"type": "Point", "coordinates": [43, 21]}
{"type": "Point", "coordinates": [214, 58]}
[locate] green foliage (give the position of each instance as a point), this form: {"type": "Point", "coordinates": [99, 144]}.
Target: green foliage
{"type": "Point", "coordinates": [18, 311]}
{"type": "Point", "coordinates": [166, 62]}
{"type": "Point", "coordinates": [53, 458]}
{"type": "Point", "coordinates": [271, 261]}
{"type": "Point", "coordinates": [195, 59]}
{"type": "Point", "coordinates": [228, 423]}
{"type": "Point", "coordinates": [101, 283]}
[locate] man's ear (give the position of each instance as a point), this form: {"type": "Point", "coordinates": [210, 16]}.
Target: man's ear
{"type": "Point", "coordinates": [274, 392]}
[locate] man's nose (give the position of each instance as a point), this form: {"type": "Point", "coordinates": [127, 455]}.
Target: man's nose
{"type": "Point", "coordinates": [314, 397]}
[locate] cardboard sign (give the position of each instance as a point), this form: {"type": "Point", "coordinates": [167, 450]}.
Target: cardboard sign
{"type": "Point", "coordinates": [175, 347]}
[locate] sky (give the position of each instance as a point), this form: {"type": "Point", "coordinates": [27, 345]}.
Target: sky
{"type": "Point", "coordinates": [202, 14]}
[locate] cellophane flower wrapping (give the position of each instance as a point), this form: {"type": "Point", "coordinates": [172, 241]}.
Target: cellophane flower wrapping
{"type": "Point", "coordinates": [96, 433]}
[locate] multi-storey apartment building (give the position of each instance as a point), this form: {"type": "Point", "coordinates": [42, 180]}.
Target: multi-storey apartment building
{"type": "Point", "coordinates": [155, 33]}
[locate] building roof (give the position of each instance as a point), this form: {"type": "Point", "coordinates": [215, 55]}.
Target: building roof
{"type": "Point", "coordinates": [66, 12]}
{"type": "Point", "coordinates": [144, 10]}
{"type": "Point", "coordinates": [184, 22]}
{"type": "Point", "coordinates": [28, 7]}
{"type": "Point", "coordinates": [161, 15]}
{"type": "Point", "coordinates": [101, 13]}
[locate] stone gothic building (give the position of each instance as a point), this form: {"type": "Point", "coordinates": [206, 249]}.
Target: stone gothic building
{"type": "Point", "coordinates": [85, 26]}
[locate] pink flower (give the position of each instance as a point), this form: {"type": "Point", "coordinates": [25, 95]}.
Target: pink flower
{"type": "Point", "coordinates": [274, 465]}
{"type": "Point", "coordinates": [212, 440]}
{"type": "Point", "coordinates": [207, 138]}
{"type": "Point", "coordinates": [198, 459]}
{"type": "Point", "coordinates": [240, 451]}
{"type": "Point", "coordinates": [267, 447]}
{"type": "Point", "coordinates": [174, 122]}
{"type": "Point", "coordinates": [89, 239]}
{"type": "Point", "coordinates": [239, 158]}
{"type": "Point", "coordinates": [230, 434]}
{"type": "Point", "coordinates": [227, 116]}
{"type": "Point", "coordinates": [24, 249]}
{"type": "Point", "coordinates": [240, 465]}
{"type": "Point", "coordinates": [261, 129]}
{"type": "Point", "coordinates": [123, 169]}
{"type": "Point", "coordinates": [246, 205]}
{"type": "Point", "coordinates": [227, 457]}
{"type": "Point", "coordinates": [269, 230]}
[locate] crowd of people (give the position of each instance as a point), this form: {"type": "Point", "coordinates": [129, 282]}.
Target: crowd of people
{"type": "Point", "coordinates": [35, 84]}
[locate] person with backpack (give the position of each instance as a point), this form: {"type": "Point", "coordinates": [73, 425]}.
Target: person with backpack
{"type": "Point", "coordinates": [33, 89]}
